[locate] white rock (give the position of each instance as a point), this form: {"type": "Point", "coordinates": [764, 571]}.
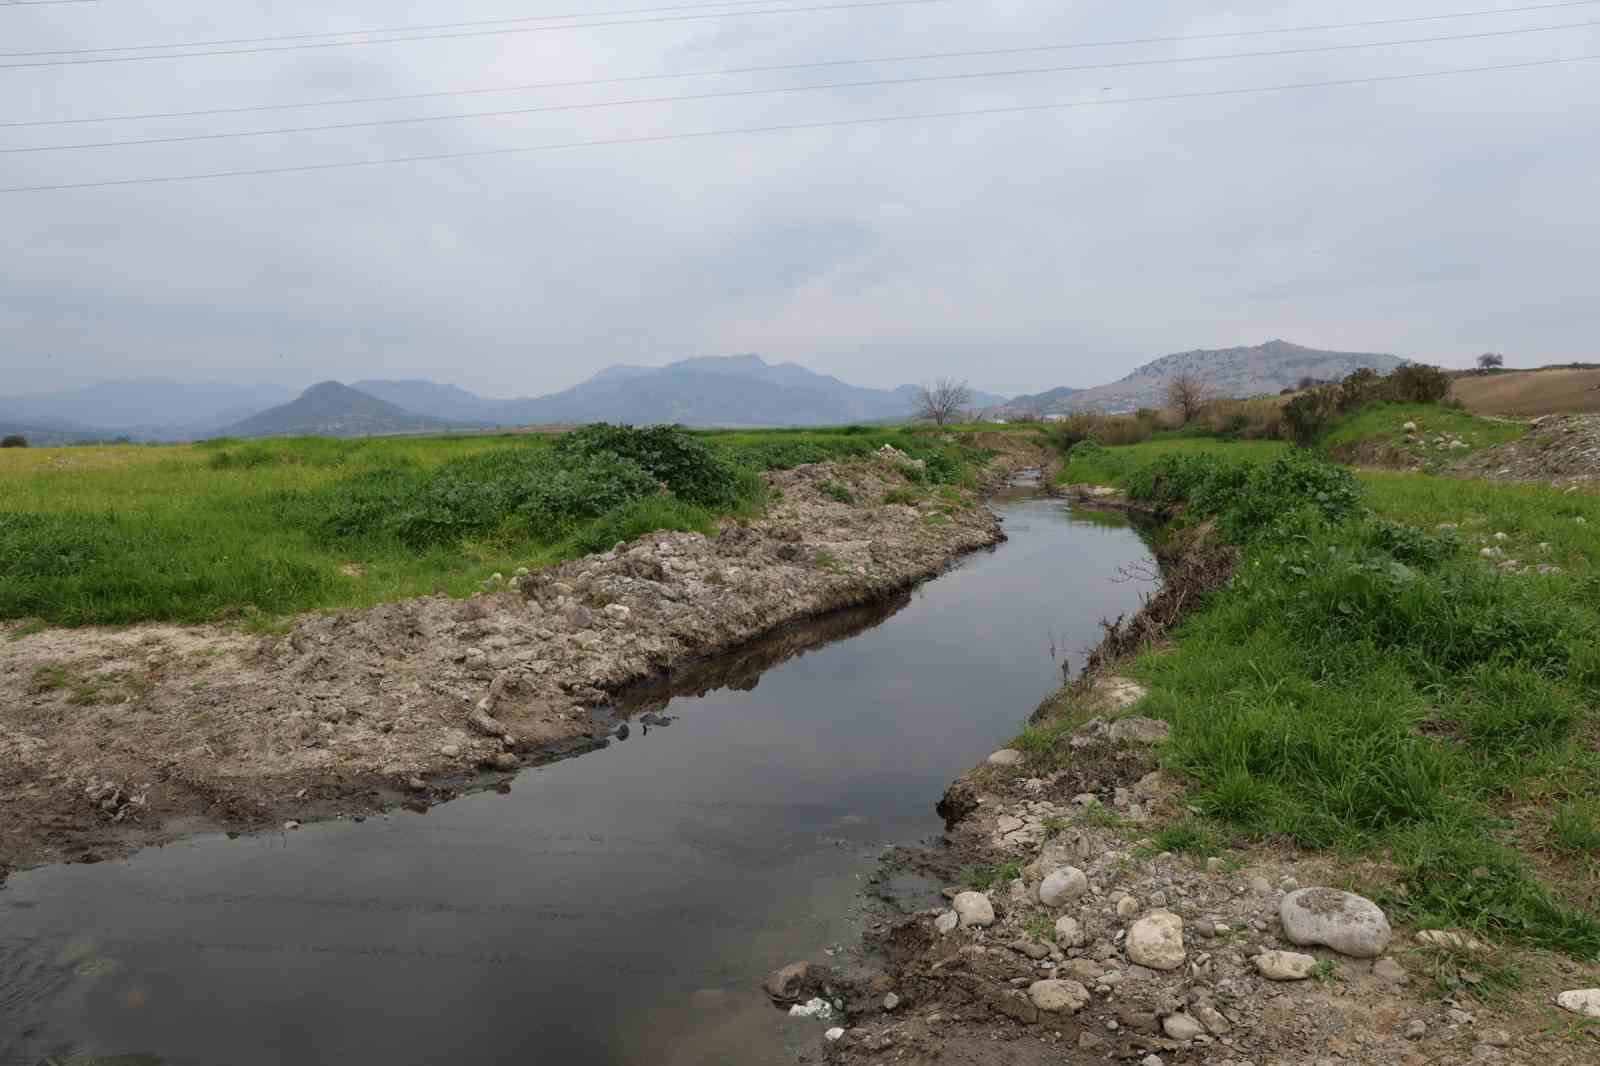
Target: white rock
{"type": "Point", "coordinates": [1349, 924]}
{"type": "Point", "coordinates": [1452, 941]}
{"type": "Point", "coordinates": [1181, 1027]}
{"type": "Point", "coordinates": [1140, 730]}
{"type": "Point", "coordinates": [1127, 907]}
{"type": "Point", "coordinates": [1152, 1060]}
{"type": "Point", "coordinates": [618, 611]}
{"type": "Point", "coordinates": [811, 1008]}
{"type": "Point", "coordinates": [946, 923]}
{"type": "Point", "coordinates": [1006, 757]}
{"type": "Point", "coordinates": [1156, 941]}
{"type": "Point", "coordinates": [1584, 1001]}
{"type": "Point", "coordinates": [1069, 934]}
{"type": "Point", "coordinates": [1007, 823]}
{"type": "Point", "coordinates": [1063, 886]}
{"type": "Point", "coordinates": [834, 1034]}
{"type": "Point", "coordinates": [973, 908]}
{"type": "Point", "coordinates": [891, 1001]}
{"type": "Point", "coordinates": [1284, 965]}
{"type": "Point", "coordinates": [1058, 996]}
{"type": "Point", "coordinates": [1410, 427]}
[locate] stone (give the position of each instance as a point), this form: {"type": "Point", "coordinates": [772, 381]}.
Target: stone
{"type": "Point", "coordinates": [1006, 757]}
{"type": "Point", "coordinates": [1156, 941]}
{"type": "Point", "coordinates": [785, 984]}
{"type": "Point", "coordinates": [1450, 940]}
{"type": "Point", "coordinates": [1085, 971]}
{"type": "Point", "coordinates": [1181, 1026]}
{"type": "Point", "coordinates": [1391, 972]}
{"type": "Point", "coordinates": [578, 616]}
{"type": "Point", "coordinates": [1127, 907]}
{"type": "Point", "coordinates": [834, 1034]}
{"type": "Point", "coordinates": [812, 1008]}
{"type": "Point", "coordinates": [291, 824]}
{"type": "Point", "coordinates": [1260, 885]}
{"type": "Point", "coordinates": [1007, 823]}
{"type": "Point", "coordinates": [1584, 1001]}
{"type": "Point", "coordinates": [1069, 934]}
{"type": "Point", "coordinates": [891, 1001]}
{"type": "Point", "coordinates": [973, 908]}
{"type": "Point", "coordinates": [450, 751]}
{"type": "Point", "coordinates": [1349, 924]}
{"type": "Point", "coordinates": [1140, 730]}
{"type": "Point", "coordinates": [1031, 948]}
{"type": "Point", "coordinates": [1212, 1019]}
{"type": "Point", "coordinates": [1409, 427]}
{"type": "Point", "coordinates": [1416, 1029]}
{"type": "Point", "coordinates": [946, 923]}
{"type": "Point", "coordinates": [1284, 965]}
{"type": "Point", "coordinates": [1062, 886]}
{"type": "Point", "coordinates": [1058, 996]}
{"type": "Point", "coordinates": [1495, 1037]}
{"type": "Point", "coordinates": [618, 612]}
{"type": "Point", "coordinates": [1152, 1060]}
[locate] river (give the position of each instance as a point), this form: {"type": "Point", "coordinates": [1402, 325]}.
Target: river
{"type": "Point", "coordinates": [616, 908]}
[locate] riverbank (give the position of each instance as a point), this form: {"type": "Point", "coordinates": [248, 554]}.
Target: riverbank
{"type": "Point", "coordinates": [1128, 881]}
{"type": "Point", "coordinates": [113, 739]}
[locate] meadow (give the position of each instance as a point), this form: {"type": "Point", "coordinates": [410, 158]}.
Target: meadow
{"type": "Point", "coordinates": [1370, 683]}
{"type": "Point", "coordinates": [249, 532]}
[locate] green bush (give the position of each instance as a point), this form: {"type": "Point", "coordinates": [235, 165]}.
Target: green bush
{"type": "Point", "coordinates": [633, 520]}
{"type": "Point", "coordinates": [13, 440]}
{"type": "Point", "coordinates": [1309, 415]}
{"type": "Point", "coordinates": [685, 463]}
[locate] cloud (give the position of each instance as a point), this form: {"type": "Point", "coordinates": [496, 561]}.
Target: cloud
{"type": "Point", "coordinates": [1434, 218]}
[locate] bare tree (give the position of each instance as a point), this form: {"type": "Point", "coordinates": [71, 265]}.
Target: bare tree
{"type": "Point", "coordinates": [1491, 361]}
{"type": "Point", "coordinates": [1187, 394]}
{"type": "Point", "coordinates": [942, 401]}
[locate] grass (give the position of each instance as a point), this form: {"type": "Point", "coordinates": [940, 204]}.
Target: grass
{"type": "Point", "coordinates": [983, 878]}
{"type": "Point", "coordinates": [250, 532]}
{"type": "Point", "coordinates": [1367, 684]}
{"type": "Point", "coordinates": [1378, 427]}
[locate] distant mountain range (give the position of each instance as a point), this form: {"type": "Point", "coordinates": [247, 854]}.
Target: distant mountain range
{"type": "Point", "coordinates": [330, 409]}
{"type": "Point", "coordinates": [739, 390]}
{"type": "Point", "coordinates": [1265, 369]}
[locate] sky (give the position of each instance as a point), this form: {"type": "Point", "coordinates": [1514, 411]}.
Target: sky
{"type": "Point", "coordinates": [1433, 218]}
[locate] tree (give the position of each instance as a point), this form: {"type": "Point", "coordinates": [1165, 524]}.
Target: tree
{"type": "Point", "coordinates": [1187, 394]}
{"type": "Point", "coordinates": [1491, 361]}
{"type": "Point", "coordinates": [942, 401]}
{"type": "Point", "coordinates": [14, 440]}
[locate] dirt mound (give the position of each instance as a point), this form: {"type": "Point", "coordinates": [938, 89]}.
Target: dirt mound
{"type": "Point", "coordinates": [107, 735]}
{"type": "Point", "coordinates": [1563, 450]}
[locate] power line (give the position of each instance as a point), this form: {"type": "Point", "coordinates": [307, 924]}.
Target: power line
{"type": "Point", "coordinates": [381, 29]}
{"type": "Point", "coordinates": [787, 127]}
{"type": "Point", "coordinates": [466, 33]}
{"type": "Point", "coordinates": [969, 54]}
{"type": "Point", "coordinates": [730, 93]}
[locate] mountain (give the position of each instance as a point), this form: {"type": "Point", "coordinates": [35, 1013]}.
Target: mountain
{"type": "Point", "coordinates": [1238, 372]}
{"type": "Point", "coordinates": [49, 434]}
{"type": "Point", "coordinates": [738, 390]}
{"type": "Point", "coordinates": [1039, 402]}
{"type": "Point", "coordinates": [330, 409]}
{"type": "Point", "coordinates": [147, 408]}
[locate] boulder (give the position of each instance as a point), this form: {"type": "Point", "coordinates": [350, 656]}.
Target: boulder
{"type": "Point", "coordinates": [1063, 886]}
{"type": "Point", "coordinates": [1156, 941]}
{"type": "Point", "coordinates": [1069, 934]}
{"type": "Point", "coordinates": [1284, 965]}
{"type": "Point", "coordinates": [1006, 757]}
{"type": "Point", "coordinates": [973, 908]}
{"type": "Point", "coordinates": [1349, 924]}
{"type": "Point", "coordinates": [785, 985]}
{"type": "Point", "coordinates": [1057, 996]}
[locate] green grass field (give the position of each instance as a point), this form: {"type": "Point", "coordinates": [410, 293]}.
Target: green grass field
{"type": "Point", "coordinates": [251, 531]}
{"type": "Point", "coordinates": [1369, 683]}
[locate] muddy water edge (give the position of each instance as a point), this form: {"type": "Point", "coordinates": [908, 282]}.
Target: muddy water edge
{"type": "Point", "coordinates": [619, 907]}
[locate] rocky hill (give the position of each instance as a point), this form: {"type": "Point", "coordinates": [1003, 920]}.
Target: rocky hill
{"type": "Point", "coordinates": [1264, 369]}
{"type": "Point", "coordinates": [330, 409]}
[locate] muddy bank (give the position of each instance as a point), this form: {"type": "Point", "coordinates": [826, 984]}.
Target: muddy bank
{"type": "Point", "coordinates": [111, 739]}
{"type": "Point", "coordinates": [1066, 933]}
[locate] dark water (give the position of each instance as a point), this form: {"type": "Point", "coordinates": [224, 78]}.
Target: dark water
{"type": "Point", "coordinates": [616, 908]}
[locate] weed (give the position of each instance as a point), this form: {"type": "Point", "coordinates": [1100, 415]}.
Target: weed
{"type": "Point", "coordinates": [1188, 836]}
{"type": "Point", "coordinates": [983, 878]}
{"type": "Point", "coordinates": [904, 495]}
{"type": "Point", "coordinates": [835, 491]}
{"type": "Point", "coordinates": [828, 561]}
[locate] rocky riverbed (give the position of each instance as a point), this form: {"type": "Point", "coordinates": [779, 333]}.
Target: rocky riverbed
{"type": "Point", "coordinates": [110, 739]}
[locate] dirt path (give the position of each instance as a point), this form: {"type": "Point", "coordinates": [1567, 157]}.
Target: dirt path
{"type": "Point", "coordinates": [112, 739]}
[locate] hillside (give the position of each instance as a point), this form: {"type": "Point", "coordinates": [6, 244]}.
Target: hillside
{"type": "Point", "coordinates": [1264, 369]}
{"type": "Point", "coordinates": [1530, 392]}
{"type": "Point", "coordinates": [146, 408]}
{"type": "Point", "coordinates": [330, 409]}
{"type": "Point", "coordinates": [37, 434]}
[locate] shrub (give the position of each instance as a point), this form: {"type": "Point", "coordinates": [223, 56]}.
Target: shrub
{"type": "Point", "coordinates": [1308, 416]}
{"type": "Point", "coordinates": [13, 440]}
{"type": "Point", "coordinates": [1417, 383]}
{"type": "Point", "coordinates": [684, 462]}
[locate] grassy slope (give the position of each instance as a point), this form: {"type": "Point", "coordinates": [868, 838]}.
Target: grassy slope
{"type": "Point", "coordinates": [1443, 717]}
{"type": "Point", "coordinates": [1379, 427]}
{"type": "Point", "coordinates": [222, 530]}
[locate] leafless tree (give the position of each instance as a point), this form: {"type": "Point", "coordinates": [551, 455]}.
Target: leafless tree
{"type": "Point", "coordinates": [942, 401]}
{"type": "Point", "coordinates": [1490, 361]}
{"type": "Point", "coordinates": [1187, 394]}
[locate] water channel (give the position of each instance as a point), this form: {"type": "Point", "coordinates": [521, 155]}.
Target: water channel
{"type": "Point", "coordinates": [618, 908]}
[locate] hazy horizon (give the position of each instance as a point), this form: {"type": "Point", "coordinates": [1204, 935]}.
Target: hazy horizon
{"type": "Point", "coordinates": [1433, 219]}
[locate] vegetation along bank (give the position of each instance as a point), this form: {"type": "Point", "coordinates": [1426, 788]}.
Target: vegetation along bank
{"type": "Point", "coordinates": [1333, 796]}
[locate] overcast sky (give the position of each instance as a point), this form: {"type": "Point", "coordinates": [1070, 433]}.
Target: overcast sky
{"type": "Point", "coordinates": [1432, 218]}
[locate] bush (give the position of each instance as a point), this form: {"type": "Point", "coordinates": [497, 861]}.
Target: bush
{"type": "Point", "coordinates": [1308, 416]}
{"type": "Point", "coordinates": [1103, 429]}
{"type": "Point", "coordinates": [684, 462]}
{"type": "Point", "coordinates": [1417, 383]}
{"type": "Point", "coordinates": [13, 440]}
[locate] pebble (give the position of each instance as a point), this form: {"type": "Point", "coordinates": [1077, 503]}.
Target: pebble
{"type": "Point", "coordinates": [1069, 934]}
{"type": "Point", "coordinates": [1127, 907]}
{"type": "Point", "coordinates": [1390, 971]}
{"type": "Point", "coordinates": [1140, 730]}
{"type": "Point", "coordinates": [1416, 1030]}
{"type": "Point", "coordinates": [1058, 996]}
{"type": "Point", "coordinates": [1063, 886]}
{"type": "Point", "coordinates": [1006, 757]}
{"type": "Point", "coordinates": [1495, 1037]}
{"type": "Point", "coordinates": [1260, 885]}
{"type": "Point", "coordinates": [1349, 924]}
{"type": "Point", "coordinates": [834, 1034]}
{"type": "Point", "coordinates": [1284, 965]}
{"type": "Point", "coordinates": [1182, 1027]}
{"type": "Point", "coordinates": [291, 824]}
{"type": "Point", "coordinates": [946, 923]}
{"type": "Point", "coordinates": [1152, 1060]}
{"type": "Point", "coordinates": [450, 751]}
{"type": "Point", "coordinates": [891, 1001]}
{"type": "Point", "coordinates": [973, 908]}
